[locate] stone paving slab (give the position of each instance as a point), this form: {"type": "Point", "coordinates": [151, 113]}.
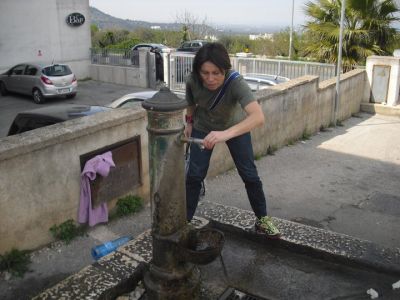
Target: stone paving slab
{"type": "Point", "coordinates": [308, 238]}
{"type": "Point", "coordinates": [127, 262]}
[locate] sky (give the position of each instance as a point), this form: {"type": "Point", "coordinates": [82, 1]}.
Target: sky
{"type": "Point", "coordinates": [215, 12]}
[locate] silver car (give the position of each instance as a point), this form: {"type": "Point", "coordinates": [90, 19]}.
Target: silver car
{"type": "Point", "coordinates": [137, 98]}
{"type": "Point", "coordinates": [263, 81]}
{"type": "Point", "coordinates": [39, 80]}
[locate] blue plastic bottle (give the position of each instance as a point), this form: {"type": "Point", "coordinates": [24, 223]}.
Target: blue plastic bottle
{"type": "Point", "coordinates": [108, 247]}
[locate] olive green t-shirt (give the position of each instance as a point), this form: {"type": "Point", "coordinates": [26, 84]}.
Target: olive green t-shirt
{"type": "Point", "coordinates": [228, 112]}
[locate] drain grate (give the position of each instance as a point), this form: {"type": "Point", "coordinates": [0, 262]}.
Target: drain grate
{"type": "Point", "coordinates": [234, 294]}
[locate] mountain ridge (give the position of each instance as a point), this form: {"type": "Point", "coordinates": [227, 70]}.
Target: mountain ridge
{"type": "Point", "coordinates": [106, 21]}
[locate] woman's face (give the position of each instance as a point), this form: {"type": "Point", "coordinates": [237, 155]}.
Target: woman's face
{"type": "Point", "coordinates": [211, 76]}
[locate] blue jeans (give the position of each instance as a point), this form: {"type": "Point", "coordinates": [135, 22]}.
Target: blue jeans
{"type": "Point", "coordinates": [241, 151]}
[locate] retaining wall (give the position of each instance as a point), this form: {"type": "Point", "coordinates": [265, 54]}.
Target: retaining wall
{"type": "Point", "coordinates": [40, 172]}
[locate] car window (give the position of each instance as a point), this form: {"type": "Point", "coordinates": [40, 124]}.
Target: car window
{"type": "Point", "coordinates": [57, 70]}
{"type": "Point", "coordinates": [131, 102]}
{"type": "Point", "coordinates": [18, 70]}
{"type": "Point", "coordinates": [26, 124]}
{"type": "Point", "coordinates": [36, 123]}
{"type": "Point", "coordinates": [31, 70]}
{"type": "Point", "coordinates": [143, 47]}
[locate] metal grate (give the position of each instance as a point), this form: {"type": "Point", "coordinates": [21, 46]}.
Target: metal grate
{"type": "Point", "coordinates": [234, 294]}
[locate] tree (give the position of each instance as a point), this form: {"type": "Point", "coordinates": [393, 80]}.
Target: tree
{"type": "Point", "coordinates": [367, 30]}
{"type": "Point", "coordinates": [193, 27]}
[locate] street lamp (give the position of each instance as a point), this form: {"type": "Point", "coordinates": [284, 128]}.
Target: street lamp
{"type": "Point", "coordinates": [339, 62]}
{"type": "Point", "coordinates": [291, 33]}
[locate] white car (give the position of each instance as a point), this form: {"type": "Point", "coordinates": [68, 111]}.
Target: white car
{"type": "Point", "coordinates": [132, 99]}
{"type": "Point", "coordinates": [263, 81]}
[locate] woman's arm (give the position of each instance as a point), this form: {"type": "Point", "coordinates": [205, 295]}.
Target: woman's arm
{"type": "Point", "coordinates": [189, 126]}
{"type": "Point", "coordinates": [255, 118]}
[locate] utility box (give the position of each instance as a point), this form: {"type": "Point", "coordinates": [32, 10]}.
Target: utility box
{"type": "Point", "coordinates": [384, 79]}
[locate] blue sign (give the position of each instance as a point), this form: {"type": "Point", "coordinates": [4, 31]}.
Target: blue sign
{"type": "Point", "coordinates": [75, 19]}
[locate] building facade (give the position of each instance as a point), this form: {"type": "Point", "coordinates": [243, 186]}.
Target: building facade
{"type": "Point", "coordinates": [45, 30]}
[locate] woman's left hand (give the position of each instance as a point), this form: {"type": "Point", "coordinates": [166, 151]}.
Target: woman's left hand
{"type": "Point", "coordinates": [215, 137]}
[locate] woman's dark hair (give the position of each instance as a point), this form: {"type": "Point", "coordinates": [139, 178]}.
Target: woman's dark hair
{"type": "Point", "coordinates": [215, 53]}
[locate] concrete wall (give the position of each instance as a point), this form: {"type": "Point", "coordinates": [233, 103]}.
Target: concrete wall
{"type": "Point", "coordinates": [28, 27]}
{"type": "Point", "coordinates": [301, 105]}
{"type": "Point", "coordinates": [40, 171]}
{"type": "Point", "coordinates": [143, 75]}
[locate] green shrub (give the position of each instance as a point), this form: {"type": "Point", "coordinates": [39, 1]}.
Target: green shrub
{"type": "Point", "coordinates": [66, 231]}
{"type": "Point", "coordinates": [305, 136]}
{"type": "Point", "coordinates": [15, 262]}
{"type": "Point", "coordinates": [128, 205]}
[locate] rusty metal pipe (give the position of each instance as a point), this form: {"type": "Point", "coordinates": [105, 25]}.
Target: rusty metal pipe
{"type": "Point", "coordinates": [199, 142]}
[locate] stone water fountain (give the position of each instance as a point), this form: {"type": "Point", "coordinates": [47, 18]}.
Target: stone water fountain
{"type": "Point", "coordinates": [177, 246]}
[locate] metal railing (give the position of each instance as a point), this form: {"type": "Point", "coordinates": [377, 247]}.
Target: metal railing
{"type": "Point", "coordinates": [285, 68]}
{"type": "Point", "coordinates": [180, 65]}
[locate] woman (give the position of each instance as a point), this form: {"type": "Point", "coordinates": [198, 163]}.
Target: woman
{"type": "Point", "coordinates": [228, 119]}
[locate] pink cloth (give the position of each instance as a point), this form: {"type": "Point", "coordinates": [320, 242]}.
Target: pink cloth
{"type": "Point", "coordinates": [101, 165]}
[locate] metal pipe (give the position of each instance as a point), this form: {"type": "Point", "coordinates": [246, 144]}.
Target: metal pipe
{"type": "Point", "coordinates": [190, 140]}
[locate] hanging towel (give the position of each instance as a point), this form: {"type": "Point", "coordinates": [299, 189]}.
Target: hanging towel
{"type": "Point", "coordinates": [101, 165]}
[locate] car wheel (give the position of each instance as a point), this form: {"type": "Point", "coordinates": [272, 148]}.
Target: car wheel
{"type": "Point", "coordinates": [38, 96]}
{"type": "Point", "coordinates": [3, 89]}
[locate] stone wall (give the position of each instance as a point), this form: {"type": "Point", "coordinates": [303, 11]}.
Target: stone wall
{"type": "Point", "coordinates": [143, 75]}
{"type": "Point", "coordinates": [299, 106]}
{"type": "Point", "coordinates": [40, 172]}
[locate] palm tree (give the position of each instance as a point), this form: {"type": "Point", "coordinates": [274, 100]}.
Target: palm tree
{"type": "Point", "coordinates": [367, 30]}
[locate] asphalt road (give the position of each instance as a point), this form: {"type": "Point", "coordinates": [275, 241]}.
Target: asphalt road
{"type": "Point", "coordinates": [89, 92]}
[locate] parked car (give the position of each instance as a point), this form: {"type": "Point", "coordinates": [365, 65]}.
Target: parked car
{"type": "Point", "coordinates": [49, 115]}
{"type": "Point", "coordinates": [263, 81]}
{"type": "Point", "coordinates": [132, 99]}
{"type": "Point", "coordinates": [40, 80]}
{"type": "Point", "coordinates": [192, 46]}
{"type": "Point", "coordinates": [156, 49]}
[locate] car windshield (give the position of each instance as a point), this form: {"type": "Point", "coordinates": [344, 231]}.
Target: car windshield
{"type": "Point", "coordinates": [56, 70]}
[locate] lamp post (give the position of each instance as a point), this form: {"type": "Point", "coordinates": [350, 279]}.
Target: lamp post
{"type": "Point", "coordinates": [339, 63]}
{"type": "Point", "coordinates": [291, 33]}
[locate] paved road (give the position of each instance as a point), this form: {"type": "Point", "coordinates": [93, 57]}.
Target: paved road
{"type": "Point", "coordinates": [346, 180]}
{"type": "Point", "coordinates": [89, 92]}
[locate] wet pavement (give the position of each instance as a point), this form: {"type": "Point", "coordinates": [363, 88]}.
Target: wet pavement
{"type": "Point", "coordinates": [270, 272]}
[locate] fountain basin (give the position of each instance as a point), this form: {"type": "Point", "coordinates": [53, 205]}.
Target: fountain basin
{"type": "Point", "coordinates": [202, 246]}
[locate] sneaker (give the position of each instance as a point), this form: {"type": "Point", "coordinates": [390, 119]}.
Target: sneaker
{"type": "Point", "coordinates": [264, 225]}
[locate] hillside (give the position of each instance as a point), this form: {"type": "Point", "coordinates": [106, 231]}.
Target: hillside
{"type": "Point", "coordinates": [103, 20]}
